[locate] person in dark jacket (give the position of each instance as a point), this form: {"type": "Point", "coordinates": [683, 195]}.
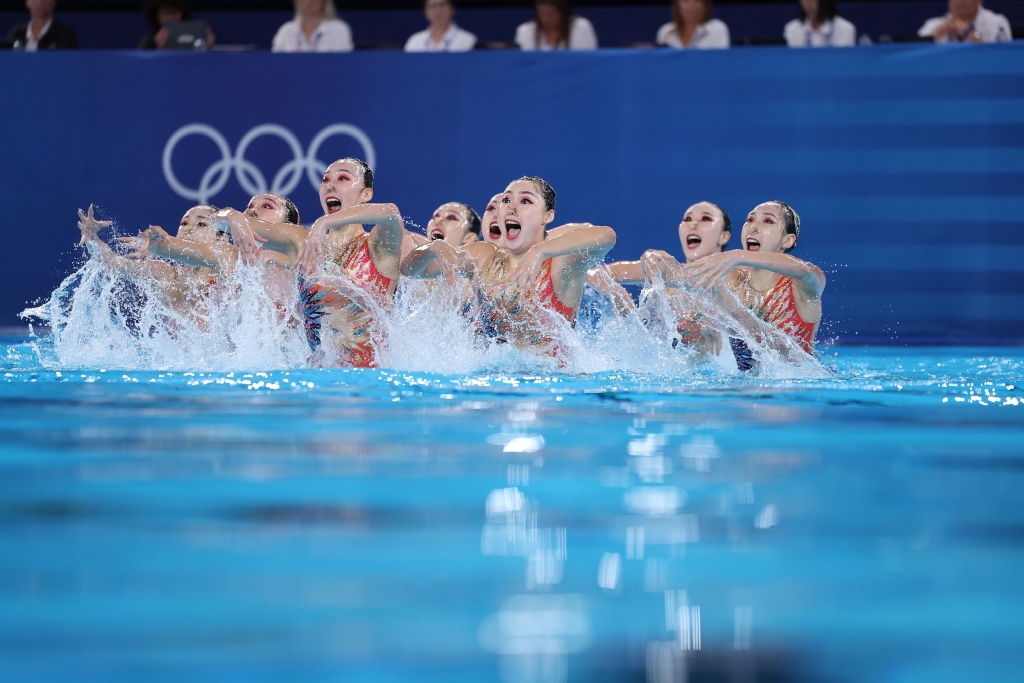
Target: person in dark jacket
{"type": "Point", "coordinates": [42, 32]}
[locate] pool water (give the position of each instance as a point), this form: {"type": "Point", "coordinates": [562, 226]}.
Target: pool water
{"type": "Point", "coordinates": [370, 525]}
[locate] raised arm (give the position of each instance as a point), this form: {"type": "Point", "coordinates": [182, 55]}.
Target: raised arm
{"type": "Point", "coordinates": [433, 259]}
{"type": "Point", "coordinates": [217, 256]}
{"type": "Point", "coordinates": [386, 235]}
{"type": "Point", "coordinates": [576, 250]}
{"type": "Point", "coordinates": [711, 269]}
{"type": "Point", "coordinates": [250, 234]}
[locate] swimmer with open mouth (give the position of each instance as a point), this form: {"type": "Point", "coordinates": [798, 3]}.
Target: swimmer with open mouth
{"type": "Point", "coordinates": [339, 323]}
{"type": "Point", "coordinates": [778, 288]}
{"type": "Point", "coordinates": [522, 273]}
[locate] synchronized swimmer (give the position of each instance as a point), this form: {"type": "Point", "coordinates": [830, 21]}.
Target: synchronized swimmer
{"type": "Point", "coordinates": [513, 275]}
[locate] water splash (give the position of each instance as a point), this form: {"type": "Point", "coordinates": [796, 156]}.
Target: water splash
{"type": "Point", "coordinates": [249, 320]}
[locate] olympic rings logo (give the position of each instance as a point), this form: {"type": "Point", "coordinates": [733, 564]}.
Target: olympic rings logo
{"type": "Point", "coordinates": [249, 176]}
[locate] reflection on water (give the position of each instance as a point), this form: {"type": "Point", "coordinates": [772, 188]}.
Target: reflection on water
{"type": "Point", "coordinates": [392, 526]}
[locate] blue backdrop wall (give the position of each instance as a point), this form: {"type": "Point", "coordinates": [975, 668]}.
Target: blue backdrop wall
{"type": "Point", "coordinates": [905, 162]}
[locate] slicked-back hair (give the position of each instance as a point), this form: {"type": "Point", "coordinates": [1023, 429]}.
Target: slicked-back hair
{"type": "Point", "coordinates": [364, 170]}
{"type": "Point", "coordinates": [726, 223]}
{"type": "Point", "coordinates": [472, 217]}
{"type": "Point", "coordinates": [790, 221]}
{"type": "Point", "coordinates": [826, 11]}
{"type": "Point", "coordinates": [291, 212]}
{"type": "Point", "coordinates": [547, 193]}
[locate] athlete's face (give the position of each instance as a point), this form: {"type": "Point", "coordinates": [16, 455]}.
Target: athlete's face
{"type": "Point", "coordinates": [196, 225]}
{"type": "Point", "coordinates": [702, 231]}
{"type": "Point", "coordinates": [342, 187]}
{"type": "Point", "coordinates": [451, 223]}
{"type": "Point", "coordinates": [268, 208]}
{"type": "Point", "coordinates": [694, 11]}
{"type": "Point", "coordinates": [522, 216]}
{"type": "Point", "coordinates": [489, 227]}
{"type": "Point", "coordinates": [764, 228]}
{"type": "Point", "coordinates": [965, 10]}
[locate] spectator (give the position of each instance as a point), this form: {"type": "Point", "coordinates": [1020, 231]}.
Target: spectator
{"type": "Point", "coordinates": [819, 26]}
{"type": "Point", "coordinates": [315, 28]}
{"type": "Point", "coordinates": [160, 12]}
{"type": "Point", "coordinates": [692, 26]}
{"type": "Point", "coordinates": [42, 31]}
{"type": "Point", "coordinates": [443, 35]}
{"type": "Point", "coordinates": [967, 21]}
{"type": "Point", "coordinates": [555, 27]}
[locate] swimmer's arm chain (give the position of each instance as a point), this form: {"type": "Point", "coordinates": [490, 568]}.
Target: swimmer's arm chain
{"type": "Point", "coordinates": [807, 274]}
{"type": "Point", "coordinates": [216, 256]}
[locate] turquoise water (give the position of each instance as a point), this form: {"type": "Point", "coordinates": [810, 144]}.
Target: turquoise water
{"type": "Point", "coordinates": [357, 525]}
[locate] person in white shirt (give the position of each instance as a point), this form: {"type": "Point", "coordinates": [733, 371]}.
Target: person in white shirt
{"type": "Point", "coordinates": [443, 35]}
{"type": "Point", "coordinates": [555, 27]}
{"type": "Point", "coordinates": [967, 21]}
{"type": "Point", "coordinates": [692, 26]}
{"type": "Point", "coordinates": [819, 26]}
{"type": "Point", "coordinates": [315, 28]}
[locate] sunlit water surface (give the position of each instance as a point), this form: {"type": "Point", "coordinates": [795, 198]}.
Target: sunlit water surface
{"type": "Point", "coordinates": [371, 525]}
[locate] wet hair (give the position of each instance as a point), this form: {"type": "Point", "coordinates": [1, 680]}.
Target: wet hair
{"type": "Point", "coordinates": [328, 11]}
{"type": "Point", "coordinates": [826, 10]}
{"type": "Point", "coordinates": [451, 3]}
{"type": "Point", "coordinates": [726, 223]}
{"type": "Point", "coordinates": [565, 15]}
{"type": "Point", "coordinates": [364, 170]}
{"type": "Point", "coordinates": [152, 12]}
{"type": "Point", "coordinates": [547, 192]}
{"type": "Point", "coordinates": [472, 217]}
{"type": "Point", "coordinates": [211, 207]}
{"type": "Point", "coordinates": [677, 16]}
{"type": "Point", "coordinates": [790, 221]}
{"type": "Point", "coordinates": [291, 212]}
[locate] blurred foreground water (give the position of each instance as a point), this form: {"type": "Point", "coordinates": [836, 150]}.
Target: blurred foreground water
{"type": "Point", "coordinates": [364, 525]}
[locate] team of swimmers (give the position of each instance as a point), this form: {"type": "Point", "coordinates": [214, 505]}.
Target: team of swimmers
{"type": "Point", "coordinates": [514, 274]}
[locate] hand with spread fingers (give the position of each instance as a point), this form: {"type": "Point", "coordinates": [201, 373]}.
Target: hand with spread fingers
{"type": "Point", "coordinates": [453, 263]}
{"type": "Point", "coordinates": [523, 278]}
{"type": "Point", "coordinates": [710, 270]}
{"type": "Point", "coordinates": [658, 264]}
{"type": "Point", "coordinates": [138, 245]}
{"type": "Point", "coordinates": [245, 238]}
{"type": "Point", "coordinates": [311, 255]}
{"type": "Point", "coordinates": [89, 225]}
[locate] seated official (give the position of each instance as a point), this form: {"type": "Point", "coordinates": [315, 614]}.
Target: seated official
{"type": "Point", "coordinates": [555, 27]}
{"type": "Point", "coordinates": [443, 35]}
{"type": "Point", "coordinates": [315, 28]}
{"type": "Point", "coordinates": [967, 22]}
{"type": "Point", "coordinates": [692, 26]}
{"type": "Point", "coordinates": [161, 12]}
{"type": "Point", "coordinates": [42, 31]}
{"type": "Point", "coordinates": [819, 26]}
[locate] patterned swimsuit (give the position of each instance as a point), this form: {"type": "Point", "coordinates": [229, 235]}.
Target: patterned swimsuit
{"type": "Point", "coordinates": [497, 325]}
{"type": "Point", "coordinates": [351, 324]}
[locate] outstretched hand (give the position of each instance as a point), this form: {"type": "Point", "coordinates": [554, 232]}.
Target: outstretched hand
{"type": "Point", "coordinates": [710, 270]}
{"type": "Point", "coordinates": [89, 225]}
{"type": "Point", "coordinates": [246, 240]}
{"type": "Point", "coordinates": [452, 262]}
{"type": "Point", "coordinates": [311, 255]}
{"type": "Point", "coordinates": [657, 264]}
{"type": "Point", "coordinates": [523, 278]}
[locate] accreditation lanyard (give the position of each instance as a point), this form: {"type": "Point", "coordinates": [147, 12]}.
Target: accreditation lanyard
{"type": "Point", "coordinates": [831, 29]}
{"type": "Point", "coordinates": [301, 43]}
{"type": "Point", "coordinates": [445, 44]}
